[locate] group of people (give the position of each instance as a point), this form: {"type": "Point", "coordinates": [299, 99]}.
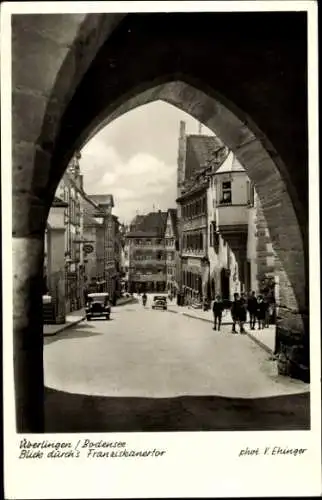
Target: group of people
{"type": "Point", "coordinates": [259, 310]}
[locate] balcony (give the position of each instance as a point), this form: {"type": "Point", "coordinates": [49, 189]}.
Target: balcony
{"type": "Point", "coordinates": [232, 215]}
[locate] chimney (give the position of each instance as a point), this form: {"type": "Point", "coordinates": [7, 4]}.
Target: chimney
{"type": "Point", "coordinates": [182, 129]}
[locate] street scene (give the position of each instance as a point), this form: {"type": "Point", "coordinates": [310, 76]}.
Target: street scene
{"type": "Point", "coordinates": [161, 268]}
{"type": "Point", "coordinates": [146, 302]}
{"type": "Point", "coordinates": [175, 198]}
{"type": "Point", "coordinates": [159, 370]}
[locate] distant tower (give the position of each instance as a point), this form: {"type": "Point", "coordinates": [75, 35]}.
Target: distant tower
{"type": "Point", "coordinates": [181, 156]}
{"type": "Point", "coordinates": [199, 128]}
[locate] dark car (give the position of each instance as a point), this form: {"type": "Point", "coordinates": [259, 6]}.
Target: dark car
{"type": "Point", "coordinates": [98, 305]}
{"type": "Point", "coordinates": [159, 302]}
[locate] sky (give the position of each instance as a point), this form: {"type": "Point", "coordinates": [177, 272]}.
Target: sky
{"type": "Point", "coordinates": [134, 158]}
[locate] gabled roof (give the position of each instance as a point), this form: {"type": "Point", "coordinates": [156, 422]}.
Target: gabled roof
{"type": "Point", "coordinates": [150, 225]}
{"type": "Point", "coordinates": [199, 152]}
{"type": "Point", "coordinates": [103, 199]}
{"type": "Point", "coordinates": [231, 164]}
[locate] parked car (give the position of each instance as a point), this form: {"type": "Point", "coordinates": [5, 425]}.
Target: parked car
{"type": "Point", "coordinates": [159, 302]}
{"type": "Point", "coordinates": [98, 305]}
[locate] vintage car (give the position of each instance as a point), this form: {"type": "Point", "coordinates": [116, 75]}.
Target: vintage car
{"type": "Point", "coordinates": [98, 305]}
{"type": "Point", "coordinates": [159, 302]}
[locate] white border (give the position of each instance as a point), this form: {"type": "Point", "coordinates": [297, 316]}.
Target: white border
{"type": "Point", "coordinates": [155, 6]}
{"type": "Point", "coordinates": [198, 464]}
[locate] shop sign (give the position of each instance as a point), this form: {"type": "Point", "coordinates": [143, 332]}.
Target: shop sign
{"type": "Point", "coordinates": [88, 248]}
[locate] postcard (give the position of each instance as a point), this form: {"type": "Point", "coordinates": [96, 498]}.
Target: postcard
{"type": "Point", "coordinates": [161, 264]}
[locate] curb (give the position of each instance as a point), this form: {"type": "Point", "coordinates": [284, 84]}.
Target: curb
{"type": "Point", "coordinates": [261, 344]}
{"type": "Point", "coordinates": [64, 327]}
{"type": "Point", "coordinates": [252, 337]}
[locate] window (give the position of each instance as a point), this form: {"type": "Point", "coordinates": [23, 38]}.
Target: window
{"type": "Point", "coordinates": [226, 192]}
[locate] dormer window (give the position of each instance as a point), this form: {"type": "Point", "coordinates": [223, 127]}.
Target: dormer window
{"type": "Point", "coordinates": [225, 193]}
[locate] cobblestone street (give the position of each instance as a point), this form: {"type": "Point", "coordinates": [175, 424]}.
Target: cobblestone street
{"type": "Point", "coordinates": [153, 370]}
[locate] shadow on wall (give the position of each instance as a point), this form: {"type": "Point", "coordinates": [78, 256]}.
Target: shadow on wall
{"type": "Point", "coordinates": [65, 412]}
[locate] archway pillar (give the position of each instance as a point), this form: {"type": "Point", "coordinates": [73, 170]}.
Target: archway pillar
{"type": "Point", "coordinates": [28, 254]}
{"type": "Point", "coordinates": [29, 222]}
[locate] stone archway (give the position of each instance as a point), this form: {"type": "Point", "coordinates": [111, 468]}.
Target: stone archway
{"type": "Point", "coordinates": [139, 62]}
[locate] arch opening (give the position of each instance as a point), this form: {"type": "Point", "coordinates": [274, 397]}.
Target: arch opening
{"type": "Point", "coordinates": [134, 75]}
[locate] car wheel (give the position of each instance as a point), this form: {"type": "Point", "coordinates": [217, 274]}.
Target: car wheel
{"type": "Point", "coordinates": [88, 318]}
{"type": "Point", "coordinates": [107, 317]}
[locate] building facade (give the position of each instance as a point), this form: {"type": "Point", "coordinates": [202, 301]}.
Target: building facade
{"type": "Point", "coordinates": [232, 252]}
{"type": "Point", "coordinates": [194, 154]}
{"type": "Point", "coordinates": [102, 229]}
{"type": "Point", "coordinates": [194, 251]}
{"type": "Point", "coordinates": [70, 191]}
{"type": "Point", "coordinates": [90, 244]}
{"type": "Point", "coordinates": [172, 254]}
{"type": "Point", "coordinates": [147, 253]}
{"type": "Point", "coordinates": [93, 248]}
{"type": "Point", "coordinates": [54, 264]}
{"type": "Point", "coordinates": [224, 241]}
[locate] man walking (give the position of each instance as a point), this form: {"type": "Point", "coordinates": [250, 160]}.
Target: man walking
{"type": "Point", "coordinates": [260, 313]}
{"type": "Point", "coordinates": [242, 312]}
{"type": "Point", "coordinates": [252, 308]}
{"type": "Point", "coordinates": [217, 309]}
{"type": "Point", "coordinates": [235, 310]}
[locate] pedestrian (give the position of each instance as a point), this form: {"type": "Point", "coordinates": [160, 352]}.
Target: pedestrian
{"type": "Point", "coordinates": [267, 311]}
{"type": "Point", "coordinates": [235, 307]}
{"type": "Point", "coordinates": [260, 312]}
{"type": "Point", "coordinates": [252, 308]}
{"type": "Point", "coordinates": [217, 309]}
{"type": "Point", "coordinates": [242, 312]}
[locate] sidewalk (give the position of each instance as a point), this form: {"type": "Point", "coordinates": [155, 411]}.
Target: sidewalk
{"type": "Point", "coordinates": [72, 319]}
{"type": "Point", "coordinates": [264, 338]}
{"type": "Point", "coordinates": [76, 317]}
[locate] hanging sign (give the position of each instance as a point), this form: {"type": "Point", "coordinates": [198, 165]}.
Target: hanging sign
{"type": "Point", "coordinates": [88, 248]}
